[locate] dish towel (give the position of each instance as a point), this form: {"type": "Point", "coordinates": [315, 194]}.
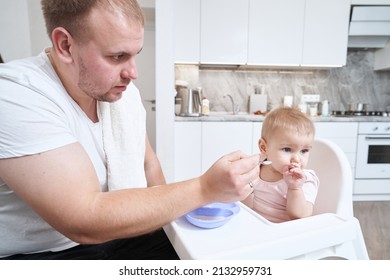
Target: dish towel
{"type": "Point", "coordinates": [124, 132]}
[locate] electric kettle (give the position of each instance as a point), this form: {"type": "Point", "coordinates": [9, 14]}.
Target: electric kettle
{"type": "Point", "coordinates": [190, 100]}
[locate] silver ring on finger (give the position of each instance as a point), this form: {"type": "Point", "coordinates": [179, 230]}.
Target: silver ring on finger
{"type": "Point", "coordinates": [251, 185]}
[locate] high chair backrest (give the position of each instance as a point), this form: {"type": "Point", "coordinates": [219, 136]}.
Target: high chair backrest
{"type": "Point", "coordinates": [334, 172]}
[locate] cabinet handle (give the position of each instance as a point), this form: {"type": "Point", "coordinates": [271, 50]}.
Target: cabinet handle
{"type": "Point", "coordinates": [377, 137]}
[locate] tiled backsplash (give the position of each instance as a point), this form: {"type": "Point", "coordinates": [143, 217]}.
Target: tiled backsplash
{"type": "Point", "coordinates": [354, 83]}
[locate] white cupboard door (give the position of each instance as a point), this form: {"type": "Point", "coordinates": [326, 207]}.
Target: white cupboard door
{"type": "Point", "coordinates": [186, 26]}
{"type": "Point", "coordinates": [187, 149]}
{"type": "Point", "coordinates": [382, 58]}
{"type": "Point", "coordinates": [256, 135]}
{"type": "Point", "coordinates": [224, 31]}
{"type": "Point", "coordinates": [275, 32]}
{"type": "Point", "coordinates": [326, 33]}
{"type": "Point", "coordinates": [221, 138]}
{"type": "Point", "coordinates": [343, 134]}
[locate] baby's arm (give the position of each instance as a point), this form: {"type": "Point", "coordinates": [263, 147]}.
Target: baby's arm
{"type": "Point", "coordinates": [297, 206]}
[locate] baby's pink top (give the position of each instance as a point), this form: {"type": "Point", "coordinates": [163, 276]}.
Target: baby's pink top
{"type": "Point", "coordinates": [269, 198]}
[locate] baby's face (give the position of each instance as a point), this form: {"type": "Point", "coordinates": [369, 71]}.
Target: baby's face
{"type": "Point", "coordinates": [287, 149]}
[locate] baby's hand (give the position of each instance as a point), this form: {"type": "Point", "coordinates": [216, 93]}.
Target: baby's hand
{"type": "Point", "coordinates": [294, 176]}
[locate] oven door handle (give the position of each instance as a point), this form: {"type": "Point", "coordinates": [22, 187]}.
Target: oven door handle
{"type": "Point", "coordinates": [377, 137]}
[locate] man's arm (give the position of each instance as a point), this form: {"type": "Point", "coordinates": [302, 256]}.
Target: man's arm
{"type": "Point", "coordinates": [153, 171]}
{"type": "Point", "coordinates": [62, 187]}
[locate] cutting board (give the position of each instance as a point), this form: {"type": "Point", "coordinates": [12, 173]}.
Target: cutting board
{"type": "Point", "coordinates": [257, 102]}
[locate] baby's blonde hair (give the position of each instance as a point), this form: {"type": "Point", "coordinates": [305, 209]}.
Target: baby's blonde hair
{"type": "Point", "coordinates": [287, 118]}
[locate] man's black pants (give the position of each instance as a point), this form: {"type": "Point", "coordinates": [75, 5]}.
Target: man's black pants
{"type": "Point", "coordinates": [153, 246]}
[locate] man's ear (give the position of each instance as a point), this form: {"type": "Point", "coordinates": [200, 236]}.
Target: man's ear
{"type": "Point", "coordinates": [263, 146]}
{"type": "Point", "coordinates": [62, 42]}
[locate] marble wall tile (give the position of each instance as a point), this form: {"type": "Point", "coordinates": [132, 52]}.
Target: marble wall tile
{"type": "Point", "coordinates": [354, 83]}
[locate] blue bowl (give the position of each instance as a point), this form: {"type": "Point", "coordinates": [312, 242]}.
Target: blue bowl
{"type": "Point", "coordinates": [231, 206]}
{"type": "Point", "coordinates": [207, 217]}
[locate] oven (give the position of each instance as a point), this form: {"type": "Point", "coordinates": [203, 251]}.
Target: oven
{"type": "Point", "coordinates": [372, 169]}
{"type": "Point", "coordinates": [373, 151]}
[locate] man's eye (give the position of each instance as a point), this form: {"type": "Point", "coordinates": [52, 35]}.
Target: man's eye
{"type": "Point", "coordinates": [118, 57]}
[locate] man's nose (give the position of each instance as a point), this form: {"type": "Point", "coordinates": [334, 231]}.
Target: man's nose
{"type": "Point", "coordinates": [130, 70]}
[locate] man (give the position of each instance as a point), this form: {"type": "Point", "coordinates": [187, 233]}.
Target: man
{"type": "Point", "coordinates": [55, 189]}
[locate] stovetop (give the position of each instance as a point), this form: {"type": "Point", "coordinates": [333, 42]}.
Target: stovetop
{"type": "Point", "coordinates": [360, 113]}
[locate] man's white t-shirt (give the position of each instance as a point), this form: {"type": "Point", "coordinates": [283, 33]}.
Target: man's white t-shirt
{"type": "Point", "coordinates": [37, 115]}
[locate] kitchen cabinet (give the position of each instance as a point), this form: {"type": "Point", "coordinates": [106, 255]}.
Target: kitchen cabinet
{"type": "Point", "coordinates": [256, 134]}
{"type": "Point", "coordinates": [199, 144]}
{"type": "Point", "coordinates": [262, 32]}
{"type": "Point", "coordinates": [224, 31]}
{"type": "Point", "coordinates": [298, 33]}
{"type": "Point", "coordinates": [382, 58]}
{"type": "Point", "coordinates": [343, 134]}
{"type": "Point", "coordinates": [187, 150]}
{"type": "Point", "coordinates": [326, 32]}
{"type": "Point", "coordinates": [275, 32]}
{"type": "Point", "coordinates": [220, 138]}
{"type": "Point", "coordinates": [186, 27]}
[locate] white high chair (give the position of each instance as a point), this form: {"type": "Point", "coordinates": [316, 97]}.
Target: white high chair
{"type": "Point", "coordinates": [334, 171]}
{"type": "Point", "coordinates": [335, 196]}
{"type": "Point", "coordinates": [332, 232]}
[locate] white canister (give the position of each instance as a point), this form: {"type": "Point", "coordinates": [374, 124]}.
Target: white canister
{"type": "Point", "coordinates": [313, 109]}
{"type": "Point", "coordinates": [303, 107]}
{"type": "Point", "coordinates": [178, 101]}
{"type": "Point", "coordinates": [288, 101]}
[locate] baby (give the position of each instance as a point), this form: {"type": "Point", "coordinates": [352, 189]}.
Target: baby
{"type": "Point", "coordinates": [285, 190]}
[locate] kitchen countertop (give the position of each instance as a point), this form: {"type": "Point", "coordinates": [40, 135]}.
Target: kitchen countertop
{"type": "Point", "coordinates": [245, 117]}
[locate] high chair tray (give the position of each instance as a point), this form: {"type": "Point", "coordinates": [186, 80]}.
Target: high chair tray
{"type": "Point", "coordinates": [250, 236]}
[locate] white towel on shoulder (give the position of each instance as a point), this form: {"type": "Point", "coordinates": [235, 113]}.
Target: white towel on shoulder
{"type": "Point", "coordinates": [124, 135]}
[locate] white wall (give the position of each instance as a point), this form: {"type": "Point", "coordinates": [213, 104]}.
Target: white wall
{"type": "Point", "coordinates": [146, 80]}
{"type": "Point", "coordinates": [165, 87]}
{"type": "Point", "coordinates": [14, 32]}
{"type": "Point", "coordinates": [39, 38]}
{"type": "Point", "coordinates": [22, 29]}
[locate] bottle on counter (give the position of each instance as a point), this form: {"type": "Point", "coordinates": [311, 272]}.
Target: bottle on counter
{"type": "Point", "coordinates": [205, 106]}
{"type": "Point", "coordinates": [325, 108]}
{"type": "Point", "coordinates": [178, 101]}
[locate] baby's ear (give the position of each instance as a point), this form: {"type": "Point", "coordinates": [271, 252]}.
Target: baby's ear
{"type": "Point", "coordinates": [262, 146]}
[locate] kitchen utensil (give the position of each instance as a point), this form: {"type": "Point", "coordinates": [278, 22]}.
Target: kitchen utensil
{"type": "Point", "coordinates": [313, 108]}
{"type": "Point", "coordinates": [178, 102]}
{"type": "Point", "coordinates": [288, 101]}
{"type": "Point", "coordinates": [358, 107]}
{"type": "Point", "coordinates": [258, 102]}
{"type": "Point", "coordinates": [266, 162]}
{"type": "Point", "coordinates": [191, 103]}
{"type": "Point", "coordinates": [209, 217]}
